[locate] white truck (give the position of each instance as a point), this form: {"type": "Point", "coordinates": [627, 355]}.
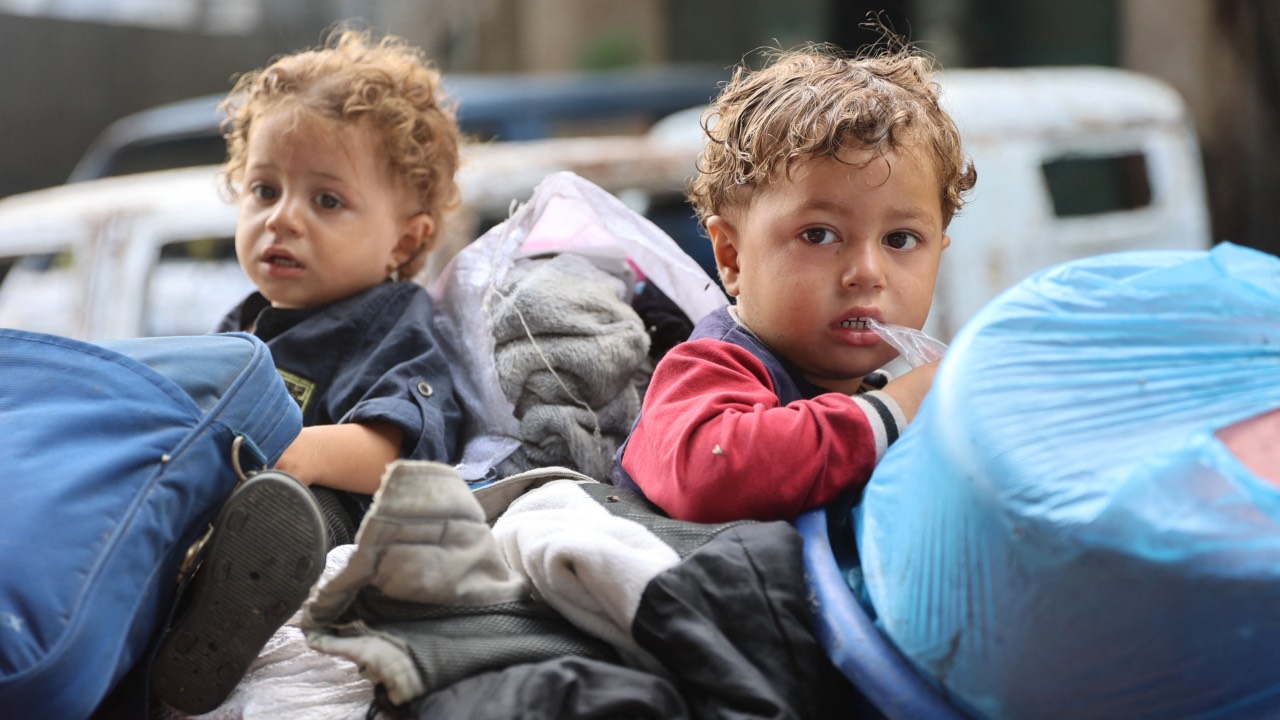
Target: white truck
{"type": "Point", "coordinates": [1071, 162]}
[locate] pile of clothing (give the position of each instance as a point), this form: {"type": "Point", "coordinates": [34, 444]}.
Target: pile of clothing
{"type": "Point", "coordinates": [555, 319]}
{"type": "Point", "coordinates": [550, 595]}
{"type": "Point", "coordinates": [572, 358]}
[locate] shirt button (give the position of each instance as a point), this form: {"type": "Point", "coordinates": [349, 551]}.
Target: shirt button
{"type": "Point", "coordinates": [425, 389]}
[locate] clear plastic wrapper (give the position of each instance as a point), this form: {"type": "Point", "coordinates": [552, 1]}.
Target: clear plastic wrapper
{"type": "Point", "coordinates": [566, 214]}
{"type": "Point", "coordinates": [914, 346]}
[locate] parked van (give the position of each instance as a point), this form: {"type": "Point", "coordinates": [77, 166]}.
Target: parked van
{"type": "Point", "coordinates": [1072, 162]}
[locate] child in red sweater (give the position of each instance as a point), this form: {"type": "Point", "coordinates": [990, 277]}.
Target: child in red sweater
{"type": "Point", "coordinates": [826, 187]}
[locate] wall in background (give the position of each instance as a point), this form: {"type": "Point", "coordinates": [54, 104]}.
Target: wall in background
{"type": "Point", "coordinates": [66, 80]}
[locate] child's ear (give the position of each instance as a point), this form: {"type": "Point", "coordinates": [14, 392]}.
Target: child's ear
{"type": "Point", "coordinates": [946, 241]}
{"type": "Point", "coordinates": [724, 245]}
{"type": "Point", "coordinates": [417, 237]}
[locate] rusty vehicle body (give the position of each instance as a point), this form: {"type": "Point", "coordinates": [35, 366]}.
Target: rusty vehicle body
{"type": "Point", "coordinates": [153, 253]}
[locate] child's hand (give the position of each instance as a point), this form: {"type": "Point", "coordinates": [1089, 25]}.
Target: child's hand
{"type": "Point", "coordinates": [350, 456]}
{"type": "Point", "coordinates": [909, 388]}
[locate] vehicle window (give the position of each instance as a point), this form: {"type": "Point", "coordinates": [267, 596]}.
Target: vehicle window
{"type": "Point", "coordinates": [41, 293]}
{"type": "Point", "coordinates": [192, 286]}
{"type": "Point", "coordinates": [1096, 185]}
{"type": "Point", "coordinates": [166, 153]}
{"type": "Point", "coordinates": [673, 214]}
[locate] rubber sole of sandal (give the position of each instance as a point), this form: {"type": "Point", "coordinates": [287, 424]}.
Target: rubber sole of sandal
{"type": "Point", "coordinates": [266, 551]}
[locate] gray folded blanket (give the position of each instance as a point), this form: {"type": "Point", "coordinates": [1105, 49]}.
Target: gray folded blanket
{"type": "Point", "coordinates": [572, 357]}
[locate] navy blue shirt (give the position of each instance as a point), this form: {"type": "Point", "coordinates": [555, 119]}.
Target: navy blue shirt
{"type": "Point", "coordinates": [372, 356]}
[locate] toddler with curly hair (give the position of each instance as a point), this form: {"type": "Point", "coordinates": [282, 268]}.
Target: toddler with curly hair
{"type": "Point", "coordinates": [342, 162]}
{"type": "Point", "coordinates": [826, 186]}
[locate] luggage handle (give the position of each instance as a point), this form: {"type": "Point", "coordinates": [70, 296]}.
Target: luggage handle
{"type": "Point", "coordinates": [240, 445]}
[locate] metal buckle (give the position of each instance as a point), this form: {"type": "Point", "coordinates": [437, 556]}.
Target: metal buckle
{"type": "Point", "coordinates": [192, 558]}
{"type": "Point", "coordinates": [236, 445]}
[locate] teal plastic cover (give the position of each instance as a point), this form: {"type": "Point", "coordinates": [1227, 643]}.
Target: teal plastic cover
{"type": "Point", "coordinates": [1062, 532]}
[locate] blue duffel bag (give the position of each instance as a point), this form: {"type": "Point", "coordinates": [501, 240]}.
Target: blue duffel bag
{"type": "Point", "coordinates": [114, 458]}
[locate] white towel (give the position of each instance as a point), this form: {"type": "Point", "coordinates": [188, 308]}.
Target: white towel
{"type": "Point", "coordinates": [590, 565]}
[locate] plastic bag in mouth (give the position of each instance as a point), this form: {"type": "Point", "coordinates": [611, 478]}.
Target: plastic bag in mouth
{"type": "Point", "coordinates": [914, 346]}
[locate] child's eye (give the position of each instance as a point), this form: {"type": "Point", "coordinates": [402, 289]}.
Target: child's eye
{"type": "Point", "coordinates": [263, 192]}
{"type": "Point", "coordinates": [819, 236]}
{"type": "Point", "coordinates": [329, 201]}
{"type": "Point", "coordinates": [901, 240]}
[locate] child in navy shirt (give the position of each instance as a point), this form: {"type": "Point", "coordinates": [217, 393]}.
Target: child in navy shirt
{"type": "Point", "coordinates": [342, 161]}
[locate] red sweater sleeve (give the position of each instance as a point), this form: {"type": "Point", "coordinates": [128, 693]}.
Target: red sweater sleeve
{"type": "Point", "coordinates": [715, 444]}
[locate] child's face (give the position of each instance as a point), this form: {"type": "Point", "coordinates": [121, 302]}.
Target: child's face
{"type": "Point", "coordinates": [321, 216]}
{"type": "Point", "coordinates": [838, 242]}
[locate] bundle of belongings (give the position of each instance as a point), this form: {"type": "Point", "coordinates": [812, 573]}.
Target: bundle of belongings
{"type": "Point", "coordinates": [555, 317]}
{"type": "Point", "coordinates": [572, 358]}
{"type": "Point", "coordinates": [547, 595]}
{"type": "Point", "coordinates": [550, 595]}
{"type": "Point", "coordinates": [1084, 519]}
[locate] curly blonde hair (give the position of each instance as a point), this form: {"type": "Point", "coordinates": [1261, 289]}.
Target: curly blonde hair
{"type": "Point", "coordinates": [813, 102]}
{"type": "Point", "coordinates": [353, 77]}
